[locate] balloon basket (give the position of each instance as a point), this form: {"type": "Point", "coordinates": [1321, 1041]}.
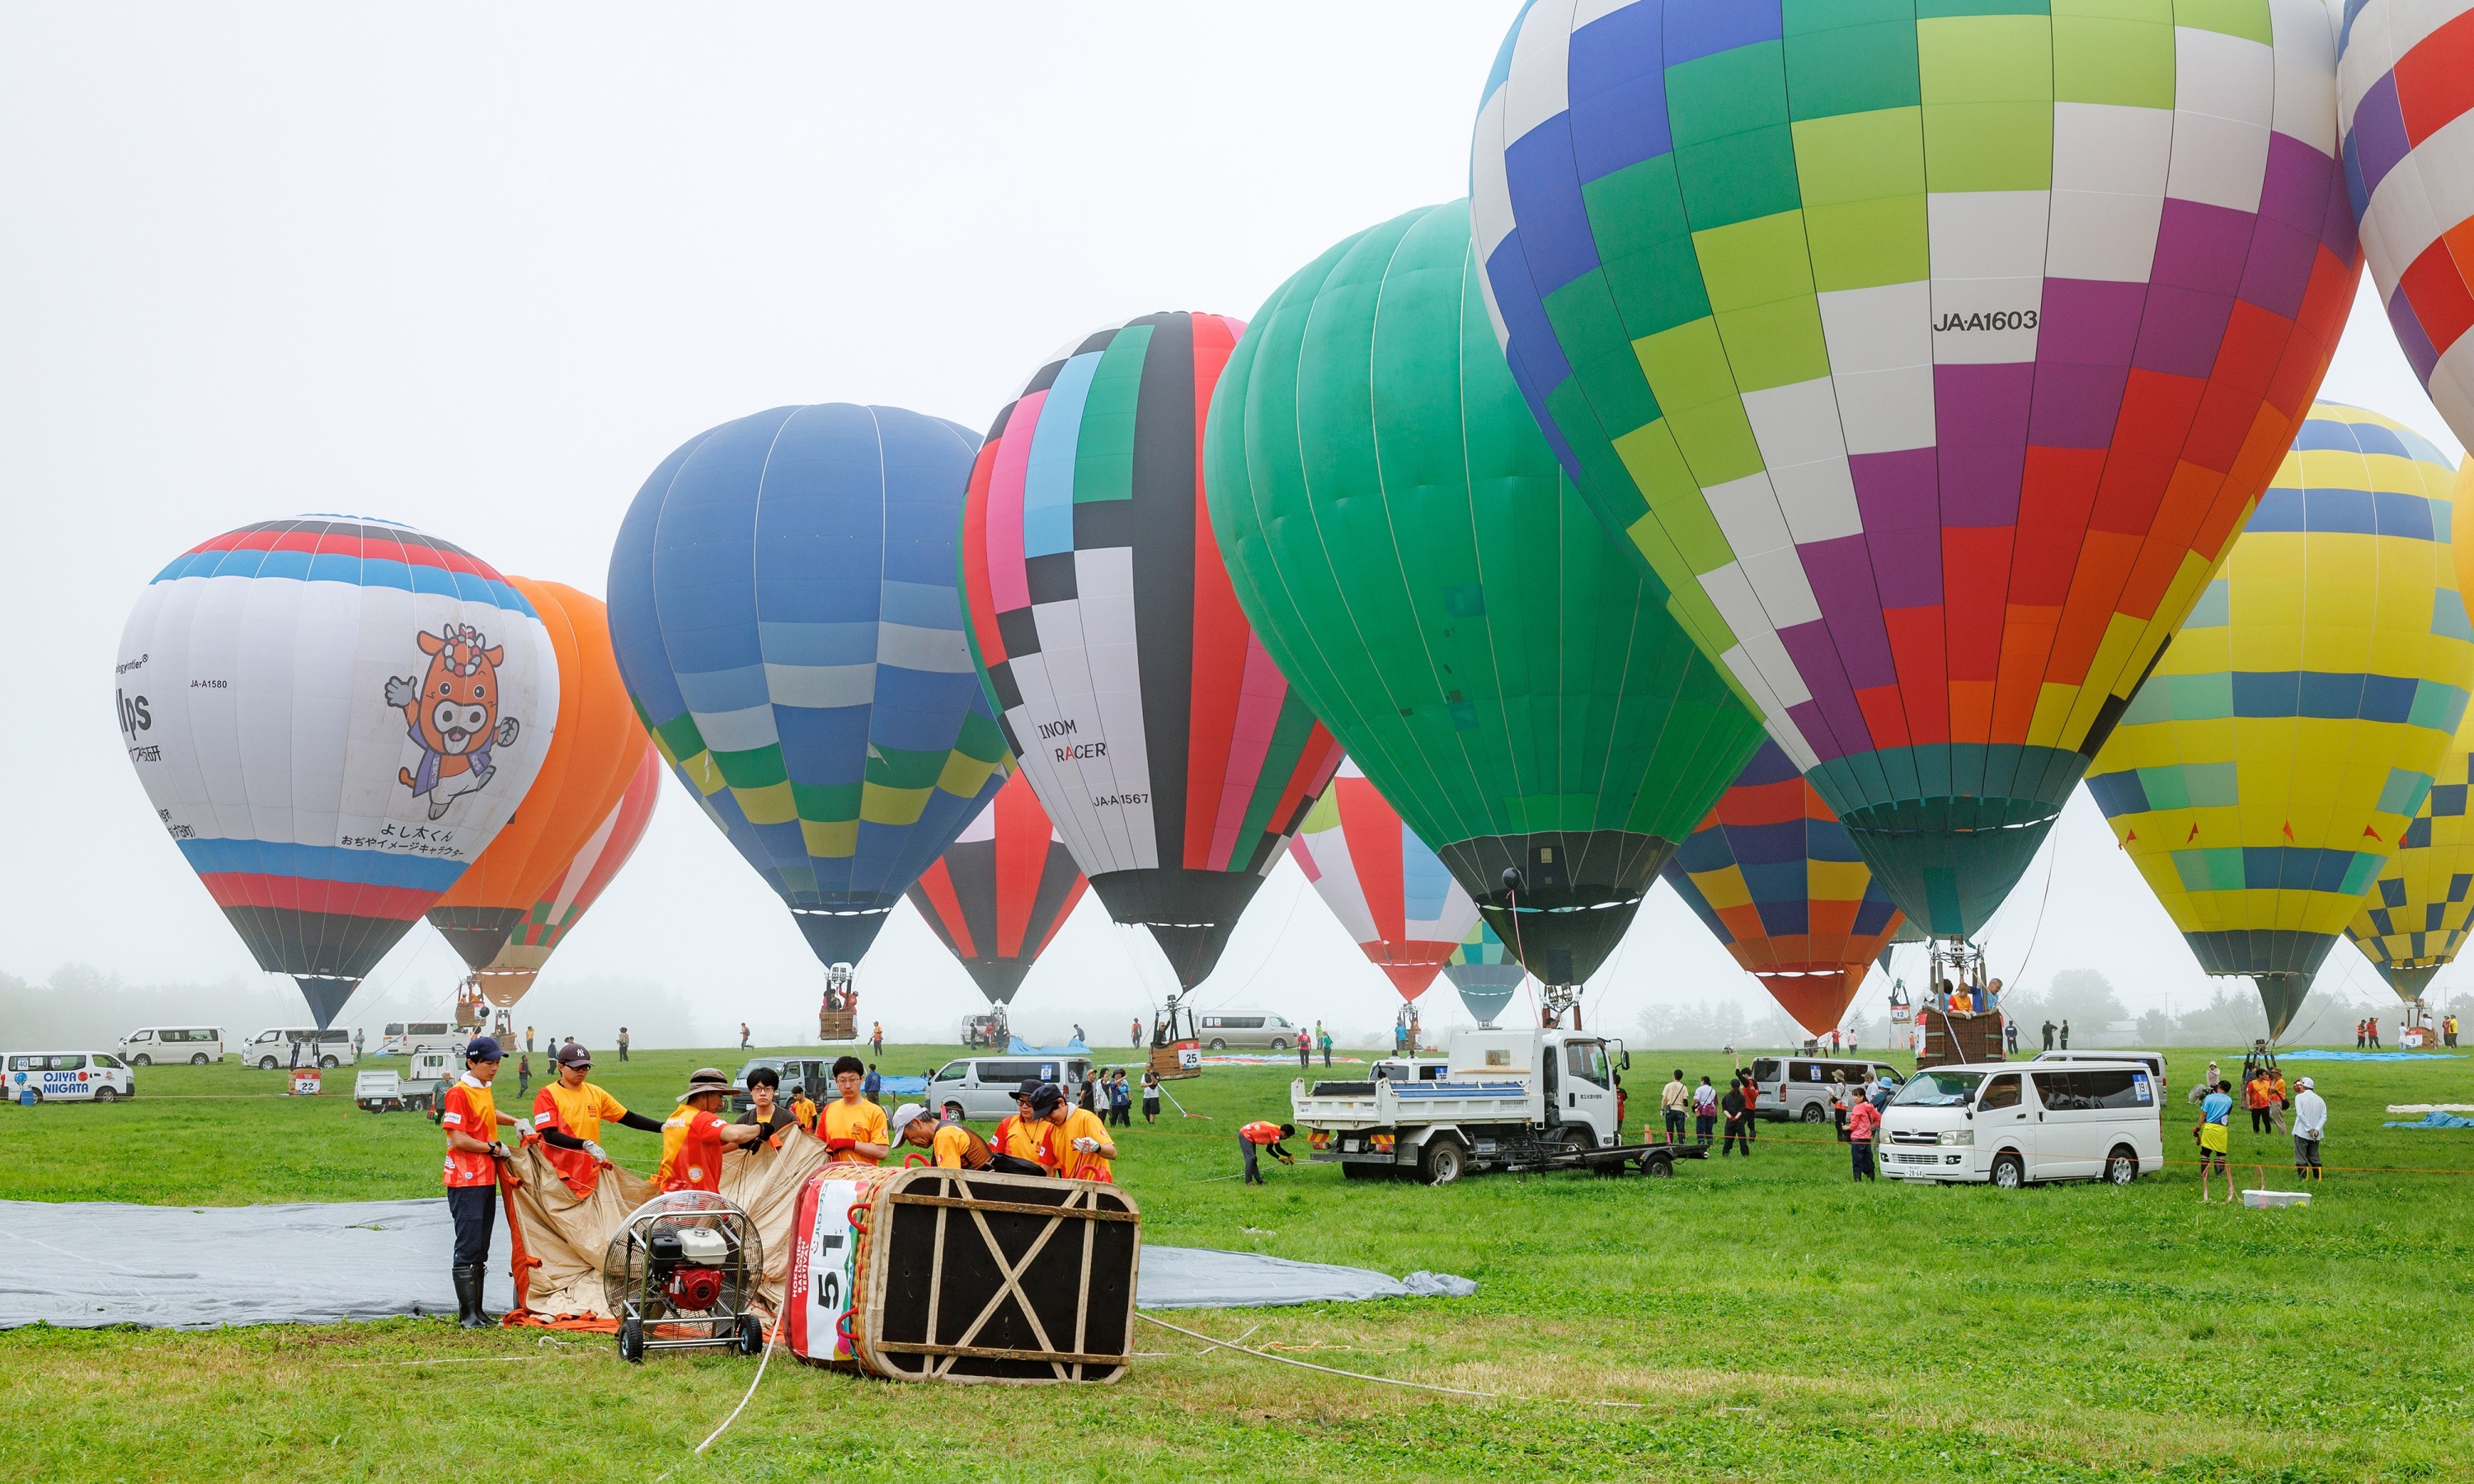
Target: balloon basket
{"type": "Point", "coordinates": [838, 1025]}
{"type": "Point", "coordinates": [1951, 1039]}
{"type": "Point", "coordinates": [1176, 1060]}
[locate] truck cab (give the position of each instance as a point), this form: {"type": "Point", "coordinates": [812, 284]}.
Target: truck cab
{"type": "Point", "coordinates": [1504, 1098]}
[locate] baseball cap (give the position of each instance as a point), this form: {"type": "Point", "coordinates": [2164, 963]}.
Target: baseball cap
{"type": "Point", "coordinates": [903, 1116]}
{"type": "Point", "coordinates": [573, 1054]}
{"type": "Point", "coordinates": [1045, 1100]}
{"type": "Point", "coordinates": [483, 1048]}
{"type": "Point", "coordinates": [2305, 1082]}
{"type": "Point", "coordinates": [1030, 1087]}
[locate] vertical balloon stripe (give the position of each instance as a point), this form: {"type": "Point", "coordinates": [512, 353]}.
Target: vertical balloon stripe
{"type": "Point", "coordinates": [1008, 496]}
{"type": "Point", "coordinates": [1365, 817]}
{"type": "Point", "coordinates": [1001, 890]}
{"type": "Point", "coordinates": [1351, 847]}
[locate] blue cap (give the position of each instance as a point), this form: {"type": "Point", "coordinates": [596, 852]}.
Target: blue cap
{"type": "Point", "coordinates": [483, 1048]}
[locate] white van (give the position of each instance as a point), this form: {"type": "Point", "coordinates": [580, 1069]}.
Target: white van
{"type": "Point", "coordinates": [67, 1077]}
{"type": "Point", "coordinates": [270, 1049]}
{"type": "Point", "coordinates": [404, 1038]}
{"type": "Point", "coordinates": [983, 1086]}
{"type": "Point", "coordinates": [2153, 1061]}
{"type": "Point", "coordinates": [1248, 1029]}
{"type": "Point", "coordinates": [196, 1046]}
{"type": "Point", "coordinates": [1800, 1087]}
{"type": "Point", "coordinates": [2015, 1124]}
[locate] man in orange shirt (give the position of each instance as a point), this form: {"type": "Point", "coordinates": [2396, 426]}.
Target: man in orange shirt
{"type": "Point", "coordinates": [568, 1113]}
{"type": "Point", "coordinates": [471, 1121]}
{"type": "Point", "coordinates": [694, 1137]}
{"type": "Point", "coordinates": [1078, 1146]}
{"type": "Point", "coordinates": [1267, 1137]}
{"type": "Point", "coordinates": [852, 1127]}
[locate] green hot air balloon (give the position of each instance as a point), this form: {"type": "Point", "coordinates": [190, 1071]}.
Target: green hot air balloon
{"type": "Point", "coordinates": [1410, 552]}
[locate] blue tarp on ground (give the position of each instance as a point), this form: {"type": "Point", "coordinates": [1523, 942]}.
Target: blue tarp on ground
{"type": "Point", "coordinates": [1021, 1047]}
{"type": "Point", "coordinates": [2435, 1119]}
{"type": "Point", "coordinates": [2370, 1055]}
{"type": "Point", "coordinates": [86, 1265]}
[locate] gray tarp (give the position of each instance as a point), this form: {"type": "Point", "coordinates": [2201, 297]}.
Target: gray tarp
{"type": "Point", "coordinates": [196, 1267]}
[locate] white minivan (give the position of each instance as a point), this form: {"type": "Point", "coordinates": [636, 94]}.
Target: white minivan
{"type": "Point", "coordinates": [1248, 1029]}
{"type": "Point", "coordinates": [1800, 1088]}
{"type": "Point", "coordinates": [195, 1044]}
{"type": "Point", "coordinates": [983, 1086]}
{"type": "Point", "coordinates": [2015, 1124]}
{"type": "Point", "coordinates": [404, 1038]}
{"type": "Point", "coordinates": [272, 1049]}
{"type": "Point", "coordinates": [66, 1076]}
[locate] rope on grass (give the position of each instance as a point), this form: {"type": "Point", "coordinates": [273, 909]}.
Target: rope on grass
{"type": "Point", "coordinates": [775, 1334]}
{"type": "Point", "coordinates": [1360, 1376]}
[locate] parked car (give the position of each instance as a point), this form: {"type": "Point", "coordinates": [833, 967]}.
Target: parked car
{"type": "Point", "coordinates": [420, 1087]}
{"type": "Point", "coordinates": [1800, 1087]}
{"type": "Point", "coordinates": [814, 1073]}
{"type": "Point", "coordinates": [196, 1046]}
{"type": "Point", "coordinates": [2153, 1061]}
{"type": "Point", "coordinates": [2015, 1124]}
{"type": "Point", "coordinates": [67, 1076]}
{"type": "Point", "coordinates": [270, 1049]}
{"type": "Point", "coordinates": [402, 1038]}
{"type": "Point", "coordinates": [983, 1086]}
{"type": "Point", "coordinates": [1246, 1029]}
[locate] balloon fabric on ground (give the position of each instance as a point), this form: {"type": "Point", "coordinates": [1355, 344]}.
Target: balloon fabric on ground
{"type": "Point", "coordinates": [333, 717]}
{"type": "Point", "coordinates": [1001, 890]}
{"type": "Point", "coordinates": [1156, 731]}
{"type": "Point", "coordinates": [584, 772]}
{"type": "Point", "coordinates": [1931, 360]}
{"type": "Point", "coordinates": [1484, 971]}
{"type": "Point", "coordinates": [1413, 557]}
{"type": "Point", "coordinates": [1772, 873]}
{"type": "Point", "coordinates": [2409, 153]}
{"type": "Point", "coordinates": [528, 945]}
{"type": "Point", "coordinates": [2270, 764]}
{"type": "Point", "coordinates": [1388, 890]}
{"type": "Point", "coordinates": [783, 602]}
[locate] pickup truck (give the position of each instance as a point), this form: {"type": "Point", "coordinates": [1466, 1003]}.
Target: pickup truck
{"type": "Point", "coordinates": [418, 1086]}
{"type": "Point", "coordinates": [1521, 1100]}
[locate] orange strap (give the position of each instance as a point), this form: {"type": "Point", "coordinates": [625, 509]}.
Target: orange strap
{"type": "Point", "coordinates": [520, 1264]}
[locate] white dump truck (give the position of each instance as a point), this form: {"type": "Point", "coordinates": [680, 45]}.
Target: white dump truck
{"type": "Point", "coordinates": [1524, 1100]}
{"type": "Point", "coordinates": [420, 1087]}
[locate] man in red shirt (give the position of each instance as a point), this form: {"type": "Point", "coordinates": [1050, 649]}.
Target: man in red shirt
{"type": "Point", "coordinates": [471, 1121]}
{"type": "Point", "coordinates": [1265, 1137]}
{"type": "Point", "coordinates": [694, 1137]}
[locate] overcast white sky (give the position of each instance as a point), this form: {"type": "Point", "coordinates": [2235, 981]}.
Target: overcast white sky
{"type": "Point", "coordinates": [480, 267]}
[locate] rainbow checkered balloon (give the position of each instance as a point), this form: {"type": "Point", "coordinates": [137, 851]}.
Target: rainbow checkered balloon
{"type": "Point", "coordinates": [1929, 352]}
{"type": "Point", "coordinates": [2405, 82]}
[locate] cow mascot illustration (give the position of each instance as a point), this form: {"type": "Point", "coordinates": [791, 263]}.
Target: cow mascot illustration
{"type": "Point", "coordinates": [453, 714]}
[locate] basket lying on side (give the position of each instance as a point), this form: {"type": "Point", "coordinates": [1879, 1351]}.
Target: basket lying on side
{"type": "Point", "coordinates": [934, 1275]}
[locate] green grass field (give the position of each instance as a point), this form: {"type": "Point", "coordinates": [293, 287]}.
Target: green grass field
{"type": "Point", "coordinates": [1769, 1320]}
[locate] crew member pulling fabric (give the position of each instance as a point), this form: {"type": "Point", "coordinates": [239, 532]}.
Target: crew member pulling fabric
{"type": "Point", "coordinates": [469, 1119]}
{"type": "Point", "coordinates": [695, 1136]}
{"type": "Point", "coordinates": [568, 1113]}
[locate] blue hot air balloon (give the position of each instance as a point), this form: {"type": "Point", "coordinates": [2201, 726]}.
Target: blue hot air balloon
{"type": "Point", "coordinates": [783, 602]}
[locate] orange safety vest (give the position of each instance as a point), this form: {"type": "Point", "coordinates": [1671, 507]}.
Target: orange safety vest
{"type": "Point", "coordinates": [691, 1152]}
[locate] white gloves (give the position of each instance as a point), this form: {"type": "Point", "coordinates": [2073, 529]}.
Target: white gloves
{"type": "Point", "coordinates": [1087, 1145]}
{"type": "Point", "coordinates": [594, 1150]}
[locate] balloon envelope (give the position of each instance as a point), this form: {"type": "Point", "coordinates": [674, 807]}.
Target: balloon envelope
{"type": "Point", "coordinates": [1390, 891]}
{"type": "Point", "coordinates": [1772, 873]}
{"type": "Point", "coordinates": [1416, 562]}
{"type": "Point", "coordinates": [2266, 770]}
{"type": "Point", "coordinates": [597, 749]}
{"type": "Point", "coordinates": [333, 717]}
{"type": "Point", "coordinates": [782, 604]}
{"type": "Point", "coordinates": [2412, 923]}
{"type": "Point", "coordinates": [528, 944]}
{"type": "Point", "coordinates": [2408, 151]}
{"type": "Point", "coordinates": [1931, 359]}
{"type": "Point", "coordinates": [1156, 730]}
{"type": "Point", "coordinates": [1484, 971]}
{"type": "Point", "coordinates": [1000, 891]}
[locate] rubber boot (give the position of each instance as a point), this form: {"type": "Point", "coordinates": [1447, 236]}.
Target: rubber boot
{"type": "Point", "coordinates": [467, 1297]}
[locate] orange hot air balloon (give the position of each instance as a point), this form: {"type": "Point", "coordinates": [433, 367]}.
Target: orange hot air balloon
{"type": "Point", "coordinates": [596, 749]}
{"type": "Point", "coordinates": [504, 979]}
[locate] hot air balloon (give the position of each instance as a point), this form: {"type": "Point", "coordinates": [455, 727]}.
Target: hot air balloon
{"type": "Point", "coordinates": [333, 717]}
{"type": "Point", "coordinates": [597, 749]}
{"type": "Point", "coordinates": [2268, 769]}
{"type": "Point", "coordinates": [1931, 358]}
{"type": "Point", "coordinates": [1156, 730]}
{"type": "Point", "coordinates": [2401, 71]}
{"type": "Point", "coordinates": [2411, 921]}
{"type": "Point", "coordinates": [1390, 891]}
{"type": "Point", "coordinates": [1402, 537]}
{"type": "Point", "coordinates": [1000, 891]}
{"type": "Point", "coordinates": [783, 603]}
{"type": "Point", "coordinates": [1484, 971]}
{"type": "Point", "coordinates": [528, 944]}
{"type": "Point", "coordinates": [1772, 871]}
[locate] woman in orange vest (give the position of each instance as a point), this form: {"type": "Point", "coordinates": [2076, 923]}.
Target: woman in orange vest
{"type": "Point", "coordinates": [568, 1113]}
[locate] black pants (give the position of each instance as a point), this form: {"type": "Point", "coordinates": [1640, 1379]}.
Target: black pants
{"type": "Point", "coordinates": [1151, 1109]}
{"type": "Point", "coordinates": [1254, 1171]}
{"type": "Point", "coordinates": [1736, 1134]}
{"type": "Point", "coordinates": [1702, 1124]}
{"type": "Point", "coordinates": [2259, 1123]}
{"type": "Point", "coordinates": [622, 1051]}
{"type": "Point", "coordinates": [1863, 1151]}
{"type": "Point", "coordinates": [475, 1210]}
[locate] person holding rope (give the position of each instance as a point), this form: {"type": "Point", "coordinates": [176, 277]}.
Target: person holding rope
{"type": "Point", "coordinates": [471, 1121]}
{"type": "Point", "coordinates": [568, 1113]}
{"type": "Point", "coordinates": [695, 1136]}
{"type": "Point", "coordinates": [1077, 1142]}
{"type": "Point", "coordinates": [1264, 1137]}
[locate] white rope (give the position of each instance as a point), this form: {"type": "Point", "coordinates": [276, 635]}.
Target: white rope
{"type": "Point", "coordinates": [767, 1359]}
{"type": "Point", "coordinates": [1360, 1376]}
